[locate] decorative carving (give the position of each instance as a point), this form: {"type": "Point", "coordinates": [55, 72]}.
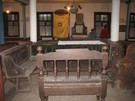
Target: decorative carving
{"type": "Point", "coordinates": [79, 18]}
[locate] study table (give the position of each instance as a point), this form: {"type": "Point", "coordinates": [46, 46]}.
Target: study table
{"type": "Point", "coordinates": [49, 46]}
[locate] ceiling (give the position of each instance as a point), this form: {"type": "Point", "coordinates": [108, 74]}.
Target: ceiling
{"type": "Point", "coordinates": [64, 1]}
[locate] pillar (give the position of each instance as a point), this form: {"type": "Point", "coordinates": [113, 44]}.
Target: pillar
{"type": "Point", "coordinates": [1, 25]}
{"type": "Point", "coordinates": [33, 22]}
{"type": "Point", "coordinates": [24, 21]}
{"type": "Point", "coordinates": [115, 20]}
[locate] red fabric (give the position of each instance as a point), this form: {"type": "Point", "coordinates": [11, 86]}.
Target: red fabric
{"type": "Point", "coordinates": [104, 34]}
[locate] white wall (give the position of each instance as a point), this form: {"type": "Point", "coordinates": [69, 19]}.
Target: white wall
{"type": "Point", "coordinates": [88, 10]}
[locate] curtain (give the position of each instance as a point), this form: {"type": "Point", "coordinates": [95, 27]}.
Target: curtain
{"type": "Point", "coordinates": [61, 24]}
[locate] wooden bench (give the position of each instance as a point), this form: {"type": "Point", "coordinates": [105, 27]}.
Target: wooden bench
{"type": "Point", "coordinates": [93, 81]}
{"type": "Point", "coordinates": [126, 68]}
{"type": "Point", "coordinates": [2, 76]}
{"type": "Point", "coordinates": [18, 63]}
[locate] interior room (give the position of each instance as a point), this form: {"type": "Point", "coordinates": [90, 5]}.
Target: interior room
{"type": "Point", "coordinates": [55, 50]}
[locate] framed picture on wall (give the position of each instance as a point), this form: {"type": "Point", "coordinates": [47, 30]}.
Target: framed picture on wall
{"type": "Point", "coordinates": [79, 18]}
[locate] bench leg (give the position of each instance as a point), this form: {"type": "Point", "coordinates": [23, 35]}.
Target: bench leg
{"type": "Point", "coordinates": [30, 83]}
{"type": "Point", "coordinates": [102, 100]}
{"type": "Point", "coordinates": [18, 84]}
{"type": "Point", "coordinates": [98, 97]}
{"type": "Point", "coordinates": [45, 98]}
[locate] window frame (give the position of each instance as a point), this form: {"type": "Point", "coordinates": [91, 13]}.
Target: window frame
{"type": "Point", "coordinates": [133, 25]}
{"type": "Point", "coordinates": [39, 36]}
{"type": "Point", "coordinates": [102, 22]}
{"type": "Point", "coordinates": [6, 22]}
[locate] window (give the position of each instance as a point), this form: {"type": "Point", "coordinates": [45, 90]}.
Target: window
{"type": "Point", "coordinates": [132, 26]}
{"type": "Point", "coordinates": [101, 19]}
{"type": "Point", "coordinates": [11, 24]}
{"type": "Point", "coordinates": [44, 24]}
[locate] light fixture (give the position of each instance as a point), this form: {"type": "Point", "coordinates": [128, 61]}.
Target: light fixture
{"type": "Point", "coordinates": [73, 7]}
{"type": "Point", "coordinates": [67, 6]}
{"type": "Point", "coordinates": [7, 11]}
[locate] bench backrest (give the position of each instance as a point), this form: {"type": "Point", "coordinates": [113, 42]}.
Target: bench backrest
{"type": "Point", "coordinates": [7, 46]}
{"type": "Point", "coordinates": [11, 69]}
{"type": "Point", "coordinates": [92, 58]}
{"type": "Point", "coordinates": [12, 58]}
{"type": "Point", "coordinates": [19, 53]}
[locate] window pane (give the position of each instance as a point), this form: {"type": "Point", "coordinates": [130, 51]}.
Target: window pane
{"type": "Point", "coordinates": [48, 30]}
{"type": "Point", "coordinates": [132, 25]}
{"type": "Point", "coordinates": [13, 17]}
{"type": "Point", "coordinates": [42, 31]}
{"type": "Point", "coordinates": [48, 23]}
{"type": "Point", "coordinates": [97, 17]}
{"type": "Point", "coordinates": [105, 23]}
{"type": "Point", "coordinates": [45, 17]}
{"type": "Point", "coordinates": [42, 23]}
{"type": "Point", "coordinates": [49, 17]}
{"type": "Point", "coordinates": [9, 17]}
{"type": "Point", "coordinates": [16, 30]}
{"type": "Point", "coordinates": [132, 18]}
{"type": "Point", "coordinates": [16, 23]}
{"type": "Point", "coordinates": [132, 33]}
{"type": "Point", "coordinates": [104, 18]}
{"type": "Point", "coordinates": [12, 30]}
{"type": "Point", "coordinates": [10, 23]}
{"type": "Point", "coordinates": [41, 17]}
{"type": "Point", "coordinates": [101, 18]}
{"type": "Point", "coordinates": [98, 24]}
{"type": "Point", "coordinates": [16, 17]}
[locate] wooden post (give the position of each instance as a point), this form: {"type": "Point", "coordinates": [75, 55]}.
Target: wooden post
{"type": "Point", "coordinates": [39, 60]}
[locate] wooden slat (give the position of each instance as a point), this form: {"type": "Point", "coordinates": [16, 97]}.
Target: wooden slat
{"type": "Point", "coordinates": [78, 69]}
{"type": "Point", "coordinates": [89, 71]}
{"type": "Point", "coordinates": [55, 69]}
{"type": "Point", "coordinates": [67, 69]}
